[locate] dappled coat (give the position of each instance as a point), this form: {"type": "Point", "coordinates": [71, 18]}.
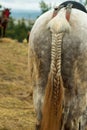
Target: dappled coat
{"type": "Point", "coordinates": [69, 97]}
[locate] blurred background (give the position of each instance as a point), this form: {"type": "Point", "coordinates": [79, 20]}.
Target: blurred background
{"type": "Point", "coordinates": [24, 13]}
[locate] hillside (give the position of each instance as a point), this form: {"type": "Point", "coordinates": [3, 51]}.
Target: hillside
{"type": "Point", "coordinates": [16, 109]}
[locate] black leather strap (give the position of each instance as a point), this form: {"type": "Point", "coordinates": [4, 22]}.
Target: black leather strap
{"type": "Point", "coordinates": [75, 4]}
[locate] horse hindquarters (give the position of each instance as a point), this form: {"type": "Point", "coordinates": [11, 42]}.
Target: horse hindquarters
{"type": "Point", "coordinates": [40, 44]}
{"type": "Point", "coordinates": [37, 76]}
{"type": "Point", "coordinates": [74, 71]}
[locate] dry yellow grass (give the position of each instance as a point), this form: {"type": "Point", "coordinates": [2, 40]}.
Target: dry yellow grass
{"type": "Point", "coordinates": [16, 107]}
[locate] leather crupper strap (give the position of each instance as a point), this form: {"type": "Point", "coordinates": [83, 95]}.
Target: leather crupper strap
{"type": "Point", "coordinates": [68, 10]}
{"type": "Point", "coordinates": [56, 10]}
{"type": "Point", "coordinates": [68, 5]}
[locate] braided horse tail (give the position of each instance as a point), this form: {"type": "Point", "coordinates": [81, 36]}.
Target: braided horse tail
{"type": "Point", "coordinates": [53, 102]}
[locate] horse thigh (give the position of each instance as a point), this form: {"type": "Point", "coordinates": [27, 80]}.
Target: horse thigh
{"type": "Point", "coordinates": [76, 117]}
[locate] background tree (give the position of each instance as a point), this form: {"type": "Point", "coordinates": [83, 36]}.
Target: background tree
{"type": "Point", "coordinates": [18, 29]}
{"type": "Point", "coordinates": [44, 7]}
{"type": "Point", "coordinates": [85, 2]}
{"type": "Point", "coordinates": [10, 29]}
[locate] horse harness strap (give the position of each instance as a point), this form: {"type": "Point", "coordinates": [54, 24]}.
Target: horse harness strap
{"type": "Point", "coordinates": [68, 6]}
{"type": "Point", "coordinates": [68, 11]}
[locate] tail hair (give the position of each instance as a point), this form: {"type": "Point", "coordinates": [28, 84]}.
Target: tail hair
{"type": "Point", "coordinates": [53, 102]}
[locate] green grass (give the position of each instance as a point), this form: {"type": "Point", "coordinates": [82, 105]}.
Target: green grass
{"type": "Point", "coordinates": [16, 107]}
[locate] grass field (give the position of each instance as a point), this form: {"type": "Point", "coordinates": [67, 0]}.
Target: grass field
{"type": "Point", "coordinates": [16, 107]}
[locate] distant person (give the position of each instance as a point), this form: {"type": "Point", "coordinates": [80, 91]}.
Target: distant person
{"type": "Point", "coordinates": [28, 34]}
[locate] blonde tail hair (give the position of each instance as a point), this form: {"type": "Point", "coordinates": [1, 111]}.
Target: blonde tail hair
{"type": "Point", "coordinates": [52, 109]}
{"type": "Point", "coordinates": [53, 102]}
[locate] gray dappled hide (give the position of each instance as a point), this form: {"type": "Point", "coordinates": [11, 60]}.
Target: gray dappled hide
{"type": "Point", "coordinates": [73, 65]}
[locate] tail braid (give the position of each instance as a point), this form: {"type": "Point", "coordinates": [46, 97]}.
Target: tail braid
{"type": "Point", "coordinates": [52, 107]}
{"type": "Point", "coordinates": [56, 68]}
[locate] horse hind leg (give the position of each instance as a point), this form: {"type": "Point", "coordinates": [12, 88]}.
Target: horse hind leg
{"type": "Point", "coordinates": [0, 32]}
{"type": "Point", "coordinates": [38, 101]}
{"type": "Point", "coordinates": [77, 123]}
{"type": "Point", "coordinates": [4, 29]}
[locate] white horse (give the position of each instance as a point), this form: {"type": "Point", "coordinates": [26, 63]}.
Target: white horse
{"type": "Point", "coordinates": [58, 69]}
